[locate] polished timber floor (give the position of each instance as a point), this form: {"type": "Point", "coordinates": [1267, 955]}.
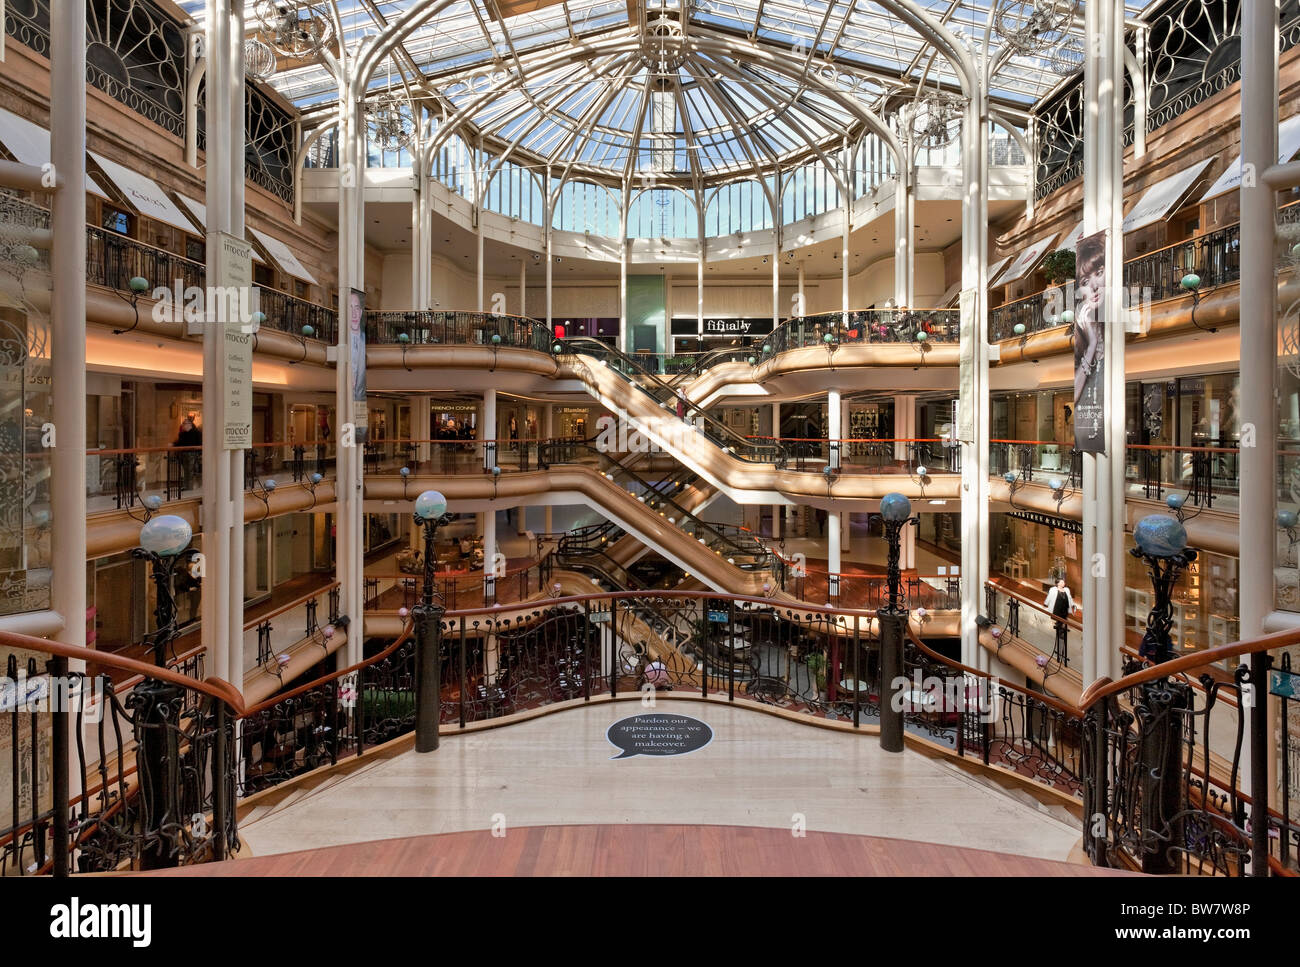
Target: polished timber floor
{"type": "Point", "coordinates": [759, 770]}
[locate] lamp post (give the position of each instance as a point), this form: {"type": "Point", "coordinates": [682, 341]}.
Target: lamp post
{"type": "Point", "coordinates": [895, 512]}
{"type": "Point", "coordinates": [165, 543]}
{"type": "Point", "coordinates": [1162, 545]}
{"type": "Point", "coordinates": [430, 508]}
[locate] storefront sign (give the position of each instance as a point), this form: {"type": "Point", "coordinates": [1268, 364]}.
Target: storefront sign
{"type": "Point", "coordinates": [235, 275]}
{"type": "Point", "coordinates": [737, 327]}
{"type": "Point", "coordinates": [685, 327]}
{"type": "Point", "coordinates": [658, 734]}
{"type": "Point", "coordinates": [1090, 345]}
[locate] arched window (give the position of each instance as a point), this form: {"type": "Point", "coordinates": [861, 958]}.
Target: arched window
{"type": "Point", "coordinates": [514, 191]}
{"type": "Point", "coordinates": [662, 213]}
{"type": "Point", "coordinates": [740, 206]}
{"type": "Point", "coordinates": [809, 190]}
{"type": "Point", "coordinates": [586, 207]}
{"type": "Point", "coordinates": [453, 165]}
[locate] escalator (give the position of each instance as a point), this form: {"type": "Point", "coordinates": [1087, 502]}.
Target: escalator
{"type": "Point", "coordinates": [739, 547]}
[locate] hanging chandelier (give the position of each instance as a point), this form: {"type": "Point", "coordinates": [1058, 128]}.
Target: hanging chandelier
{"type": "Point", "coordinates": [391, 120]}
{"type": "Point", "coordinates": [1066, 57]}
{"type": "Point", "coordinates": [259, 59]}
{"type": "Point", "coordinates": [301, 30]}
{"type": "Point", "coordinates": [1033, 26]}
{"type": "Point", "coordinates": [936, 119]}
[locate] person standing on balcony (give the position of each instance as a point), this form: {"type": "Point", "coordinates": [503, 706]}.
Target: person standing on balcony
{"type": "Point", "coordinates": [1060, 602]}
{"type": "Point", "coordinates": [189, 435]}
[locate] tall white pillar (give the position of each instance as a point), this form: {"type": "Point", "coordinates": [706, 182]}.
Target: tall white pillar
{"type": "Point", "coordinates": [523, 286]}
{"type": "Point", "coordinates": [1103, 474]}
{"type": "Point", "coordinates": [903, 230]}
{"type": "Point", "coordinates": [846, 210]}
{"type": "Point", "coordinates": [222, 594]}
{"type": "Point", "coordinates": [422, 426]}
{"type": "Point", "coordinates": [833, 557]}
{"type": "Point", "coordinates": [352, 415]}
{"type": "Point", "coordinates": [973, 368]}
{"type": "Point", "coordinates": [623, 342]}
{"type": "Point", "coordinates": [487, 429]}
{"type": "Point", "coordinates": [548, 433]}
{"type": "Point", "coordinates": [802, 305]}
{"type": "Point", "coordinates": [68, 323]}
{"type": "Point", "coordinates": [699, 287]}
{"type": "Point", "coordinates": [777, 509]}
{"type": "Point", "coordinates": [550, 257]}
{"type": "Point", "coordinates": [478, 257]}
{"type": "Point", "coordinates": [834, 425]}
{"type": "Point", "coordinates": [904, 424]}
{"type": "Point", "coordinates": [489, 555]}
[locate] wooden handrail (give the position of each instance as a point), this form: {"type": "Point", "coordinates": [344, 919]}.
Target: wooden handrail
{"type": "Point", "coordinates": [1104, 687]}
{"type": "Point", "coordinates": [1012, 593]}
{"type": "Point", "coordinates": [1063, 707]}
{"type": "Point", "coordinates": [249, 626]}
{"type": "Point", "coordinates": [211, 686]}
{"type": "Point", "coordinates": [1179, 449]}
{"type": "Point", "coordinates": [192, 449]}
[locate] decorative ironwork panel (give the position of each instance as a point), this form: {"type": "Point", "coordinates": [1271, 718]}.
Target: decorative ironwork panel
{"type": "Point", "coordinates": [269, 148]}
{"type": "Point", "coordinates": [1194, 53]}
{"type": "Point", "coordinates": [135, 53]}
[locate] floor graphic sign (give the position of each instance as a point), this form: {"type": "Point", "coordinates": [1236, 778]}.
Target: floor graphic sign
{"type": "Point", "coordinates": [658, 733]}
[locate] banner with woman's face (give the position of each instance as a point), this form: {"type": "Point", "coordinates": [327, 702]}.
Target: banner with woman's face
{"type": "Point", "coordinates": [1090, 345]}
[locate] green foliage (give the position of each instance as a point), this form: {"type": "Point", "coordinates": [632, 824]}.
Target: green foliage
{"type": "Point", "coordinates": [1059, 266]}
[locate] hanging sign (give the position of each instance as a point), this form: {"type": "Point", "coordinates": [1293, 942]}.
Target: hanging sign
{"type": "Point", "coordinates": [1090, 345]}
{"type": "Point", "coordinates": [232, 297]}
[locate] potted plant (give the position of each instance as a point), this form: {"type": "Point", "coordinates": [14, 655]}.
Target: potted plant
{"type": "Point", "coordinates": [816, 663]}
{"type": "Point", "coordinates": [1058, 267]}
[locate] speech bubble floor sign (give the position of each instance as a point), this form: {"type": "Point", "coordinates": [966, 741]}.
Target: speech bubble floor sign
{"type": "Point", "coordinates": [658, 733]}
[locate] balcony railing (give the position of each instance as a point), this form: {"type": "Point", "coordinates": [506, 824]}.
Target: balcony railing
{"type": "Point", "coordinates": [1215, 257]}
{"type": "Point", "coordinates": [828, 329]}
{"type": "Point", "coordinates": [123, 478]}
{"type": "Point", "coordinates": [428, 327]}
{"type": "Point", "coordinates": [112, 260]}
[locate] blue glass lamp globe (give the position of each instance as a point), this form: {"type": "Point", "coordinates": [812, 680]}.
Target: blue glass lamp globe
{"type": "Point", "coordinates": [922, 471]}
{"type": "Point", "coordinates": [496, 471]}
{"type": "Point", "coordinates": [405, 471]}
{"type": "Point", "coordinates": [828, 339]}
{"type": "Point", "coordinates": [137, 283]}
{"type": "Point", "coordinates": [316, 478]}
{"type": "Point", "coordinates": [269, 486]}
{"type": "Point", "coordinates": [153, 502]}
{"type": "Point", "coordinates": [1159, 535]}
{"type": "Point", "coordinates": [1287, 518]}
{"type": "Point", "coordinates": [257, 318]}
{"type": "Point", "coordinates": [1191, 281]}
{"type": "Point", "coordinates": [496, 339]}
{"type": "Point", "coordinates": [1018, 328]}
{"type": "Point", "coordinates": [308, 331]}
{"type": "Point", "coordinates": [752, 360]}
{"type": "Point", "coordinates": [1175, 501]}
{"type": "Point", "coordinates": [1067, 316]}
{"type": "Point", "coordinates": [403, 337]}
{"type": "Point", "coordinates": [1056, 484]}
{"type": "Point", "coordinates": [1009, 476]}
{"type": "Point", "coordinates": [895, 508]}
{"type": "Point", "coordinates": [166, 536]}
{"type": "Point", "coordinates": [430, 505]}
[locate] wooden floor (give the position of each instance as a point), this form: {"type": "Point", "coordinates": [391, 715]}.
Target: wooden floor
{"type": "Point", "coordinates": [641, 850]}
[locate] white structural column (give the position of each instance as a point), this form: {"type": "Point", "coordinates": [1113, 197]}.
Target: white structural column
{"type": "Point", "coordinates": [548, 433]}
{"type": "Point", "coordinates": [1258, 317]}
{"type": "Point", "coordinates": [417, 231]}
{"type": "Point", "coordinates": [523, 286]}
{"type": "Point", "coordinates": [623, 343]}
{"type": "Point", "coordinates": [699, 292]}
{"type": "Point", "coordinates": [1103, 474]}
{"type": "Point", "coordinates": [68, 322]}
{"type": "Point", "coordinates": [487, 427]}
{"type": "Point", "coordinates": [222, 601]}
{"type": "Point", "coordinates": [550, 260]}
{"type": "Point", "coordinates": [904, 424]}
{"type": "Point", "coordinates": [834, 430]}
{"type": "Point", "coordinates": [801, 308]}
{"type": "Point", "coordinates": [778, 509]}
{"type": "Point", "coordinates": [1259, 322]}
{"type": "Point", "coordinates": [973, 421]}
{"type": "Point", "coordinates": [422, 426]}
{"type": "Point", "coordinates": [904, 210]}
{"type": "Point", "coordinates": [349, 556]}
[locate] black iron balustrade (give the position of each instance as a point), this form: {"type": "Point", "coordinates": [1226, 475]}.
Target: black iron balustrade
{"type": "Point", "coordinates": [428, 327]}
{"type": "Point", "coordinates": [127, 819]}
{"type": "Point", "coordinates": [1215, 257]}
{"type": "Point", "coordinates": [286, 313]}
{"type": "Point", "coordinates": [862, 326]}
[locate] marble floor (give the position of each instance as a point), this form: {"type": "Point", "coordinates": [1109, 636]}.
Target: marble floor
{"type": "Point", "coordinates": [759, 770]}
